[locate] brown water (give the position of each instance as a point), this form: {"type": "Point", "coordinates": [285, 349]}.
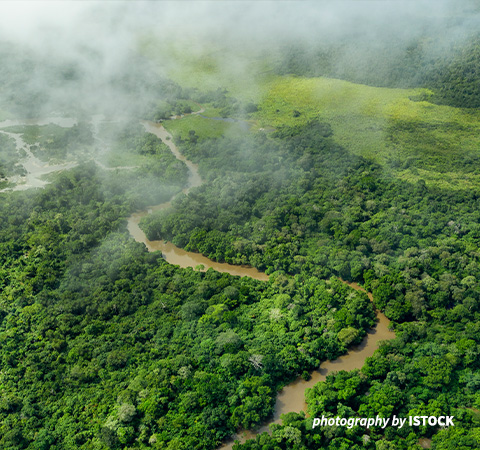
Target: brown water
{"type": "Point", "coordinates": [292, 396]}
{"type": "Point", "coordinates": [425, 443]}
{"type": "Point", "coordinates": [182, 258]}
{"type": "Point", "coordinates": [158, 130]}
{"type": "Point", "coordinates": [289, 400]}
{"type": "Point", "coordinates": [170, 252]}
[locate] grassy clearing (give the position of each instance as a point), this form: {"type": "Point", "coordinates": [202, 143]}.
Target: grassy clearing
{"type": "Point", "coordinates": [412, 139]}
{"type": "Point", "coordinates": [118, 158]}
{"type": "Point", "coordinates": [445, 180]}
{"type": "Point", "coordinates": [440, 143]}
{"type": "Point", "coordinates": [357, 113]}
{"type": "Point", "coordinates": [210, 111]}
{"type": "Point", "coordinates": [204, 127]}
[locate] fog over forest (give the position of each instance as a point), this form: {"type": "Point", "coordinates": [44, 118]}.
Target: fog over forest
{"type": "Point", "coordinates": [91, 55]}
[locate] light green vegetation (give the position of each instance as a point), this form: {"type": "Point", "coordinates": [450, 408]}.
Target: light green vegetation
{"type": "Point", "coordinates": [447, 180]}
{"type": "Point", "coordinates": [380, 123]}
{"type": "Point", "coordinates": [357, 113]}
{"type": "Point", "coordinates": [204, 127]}
{"type": "Point", "coordinates": [411, 139]}
{"type": "Point", "coordinates": [124, 159]}
{"type": "Point", "coordinates": [210, 111]}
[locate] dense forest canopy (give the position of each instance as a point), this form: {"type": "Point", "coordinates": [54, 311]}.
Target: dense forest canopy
{"type": "Point", "coordinates": [332, 144]}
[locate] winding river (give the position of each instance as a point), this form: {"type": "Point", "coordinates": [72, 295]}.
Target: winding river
{"type": "Point", "coordinates": [292, 396]}
{"type": "Point", "coordinates": [172, 253]}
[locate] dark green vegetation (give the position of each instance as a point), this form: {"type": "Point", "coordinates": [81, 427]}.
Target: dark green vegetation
{"type": "Point", "coordinates": [106, 345]}
{"type": "Point", "coordinates": [430, 370]}
{"type": "Point", "coordinates": [299, 203]}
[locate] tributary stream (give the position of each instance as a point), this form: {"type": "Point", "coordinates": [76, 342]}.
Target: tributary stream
{"type": "Point", "coordinates": [34, 168]}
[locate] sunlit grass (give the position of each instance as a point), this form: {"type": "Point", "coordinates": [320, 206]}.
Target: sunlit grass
{"type": "Point", "coordinates": [118, 158]}
{"type": "Point", "coordinates": [381, 124]}
{"type": "Point", "coordinates": [447, 180]}
{"type": "Point", "coordinates": [357, 113]}
{"type": "Point", "coordinates": [204, 127]}
{"type": "Point", "coordinates": [377, 123]}
{"type": "Point", "coordinates": [211, 112]}
{"type": "Point", "coordinates": [413, 140]}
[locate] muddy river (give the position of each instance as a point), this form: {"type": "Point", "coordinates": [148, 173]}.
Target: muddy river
{"type": "Point", "coordinates": [172, 253]}
{"type": "Point", "coordinates": [292, 396]}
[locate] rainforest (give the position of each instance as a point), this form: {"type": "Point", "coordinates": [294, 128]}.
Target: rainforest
{"type": "Point", "coordinates": [221, 222]}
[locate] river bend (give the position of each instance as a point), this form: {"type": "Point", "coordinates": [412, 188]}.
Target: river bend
{"type": "Point", "coordinates": [292, 396]}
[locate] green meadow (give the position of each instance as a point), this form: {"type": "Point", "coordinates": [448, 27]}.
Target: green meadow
{"type": "Point", "coordinates": [204, 127]}
{"type": "Point", "coordinates": [412, 138]}
{"type": "Point", "coordinates": [409, 136]}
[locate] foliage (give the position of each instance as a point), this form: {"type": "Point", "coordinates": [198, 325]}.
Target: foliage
{"type": "Point", "coordinates": [452, 73]}
{"type": "Point", "coordinates": [106, 345]}
{"type": "Point", "coordinates": [52, 142]}
{"type": "Point", "coordinates": [303, 204]}
{"type": "Point", "coordinates": [9, 156]}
